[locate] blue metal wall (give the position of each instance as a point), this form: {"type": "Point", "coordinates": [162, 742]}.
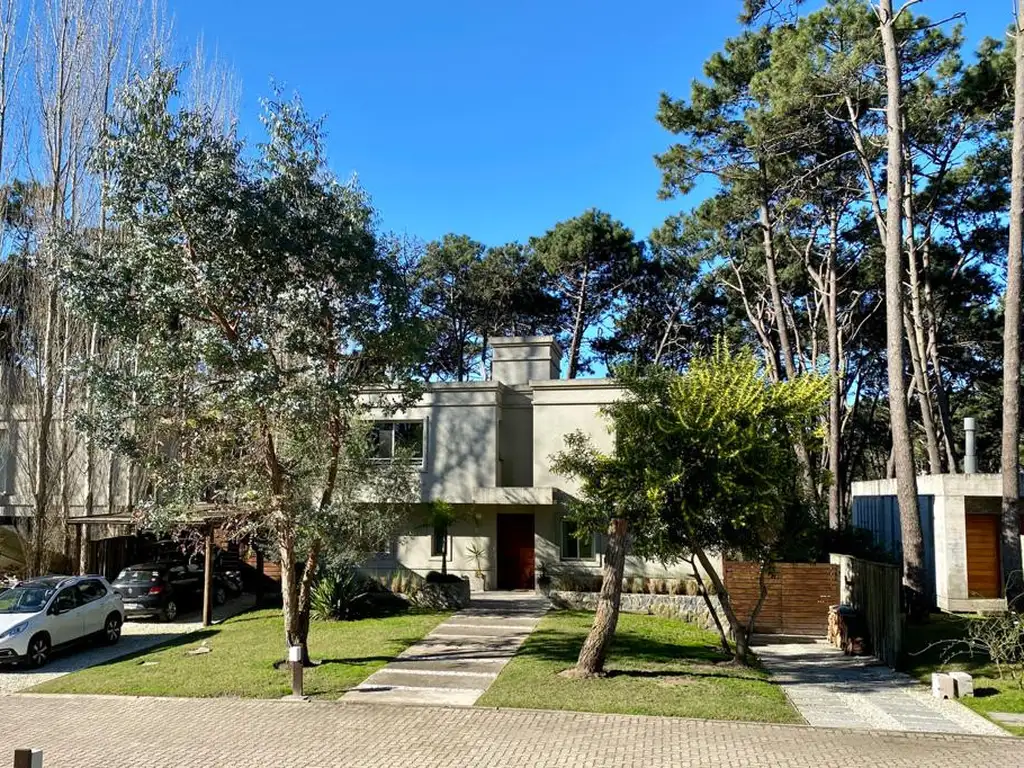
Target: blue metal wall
{"type": "Point", "coordinates": [881, 516]}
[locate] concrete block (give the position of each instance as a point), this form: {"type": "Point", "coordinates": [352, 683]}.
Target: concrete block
{"type": "Point", "coordinates": [943, 686]}
{"type": "Point", "coordinates": [963, 683]}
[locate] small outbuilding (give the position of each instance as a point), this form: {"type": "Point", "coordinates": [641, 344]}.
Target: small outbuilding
{"type": "Point", "coordinates": [960, 520]}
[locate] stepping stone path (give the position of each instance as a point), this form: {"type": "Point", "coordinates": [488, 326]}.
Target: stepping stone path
{"type": "Point", "coordinates": [459, 660]}
{"type": "Point", "coordinates": [832, 690]}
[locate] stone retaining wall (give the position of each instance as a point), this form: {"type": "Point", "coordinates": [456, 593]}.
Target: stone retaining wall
{"type": "Point", "coordinates": [441, 597]}
{"type": "Point", "coordinates": [691, 608]}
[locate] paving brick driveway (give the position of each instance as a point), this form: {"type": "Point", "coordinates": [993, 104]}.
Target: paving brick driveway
{"type": "Point", "coordinates": [122, 732]}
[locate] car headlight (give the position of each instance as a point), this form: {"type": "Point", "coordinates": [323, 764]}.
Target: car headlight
{"type": "Point", "coordinates": [14, 631]}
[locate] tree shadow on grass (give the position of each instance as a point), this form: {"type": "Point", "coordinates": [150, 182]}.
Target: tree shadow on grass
{"type": "Point", "coordinates": [563, 647]}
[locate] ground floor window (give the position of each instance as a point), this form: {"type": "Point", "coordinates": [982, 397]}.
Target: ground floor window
{"type": "Point", "coordinates": [574, 546]}
{"type": "Point", "coordinates": [439, 541]}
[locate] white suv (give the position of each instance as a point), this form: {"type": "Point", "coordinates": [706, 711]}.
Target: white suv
{"type": "Point", "coordinates": [42, 614]}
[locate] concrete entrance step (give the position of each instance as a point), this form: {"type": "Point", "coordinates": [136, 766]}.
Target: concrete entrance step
{"type": "Point", "coordinates": [423, 696]}
{"type": "Point", "coordinates": [427, 679]}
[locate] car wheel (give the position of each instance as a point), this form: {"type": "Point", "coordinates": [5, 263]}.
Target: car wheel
{"type": "Point", "coordinates": [112, 629]}
{"type": "Point", "coordinates": [220, 596]}
{"type": "Point", "coordinates": [39, 650]}
{"type": "Point", "coordinates": [170, 611]}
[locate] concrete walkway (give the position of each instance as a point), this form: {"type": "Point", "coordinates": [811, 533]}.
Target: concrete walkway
{"type": "Point", "coordinates": [833, 690]}
{"type": "Point", "coordinates": [458, 661]}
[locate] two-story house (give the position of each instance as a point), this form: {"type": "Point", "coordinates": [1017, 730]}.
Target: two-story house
{"type": "Point", "coordinates": [486, 448]}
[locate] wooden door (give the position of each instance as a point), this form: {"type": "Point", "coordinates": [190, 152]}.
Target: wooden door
{"type": "Point", "coordinates": [515, 552]}
{"type": "Point", "coordinates": [983, 574]}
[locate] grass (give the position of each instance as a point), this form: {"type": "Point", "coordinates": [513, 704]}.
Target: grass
{"type": "Point", "coordinates": [657, 666]}
{"type": "Point", "coordinates": [241, 663]}
{"type": "Point", "coordinates": [926, 650]}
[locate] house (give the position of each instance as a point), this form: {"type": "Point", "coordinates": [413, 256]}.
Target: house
{"type": "Point", "coordinates": [486, 447]}
{"type": "Point", "coordinates": [960, 520]}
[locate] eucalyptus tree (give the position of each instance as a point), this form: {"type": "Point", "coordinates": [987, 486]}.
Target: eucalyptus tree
{"type": "Point", "coordinates": [256, 305]}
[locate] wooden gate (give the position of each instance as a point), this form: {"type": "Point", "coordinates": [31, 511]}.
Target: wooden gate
{"type": "Point", "coordinates": [799, 596]}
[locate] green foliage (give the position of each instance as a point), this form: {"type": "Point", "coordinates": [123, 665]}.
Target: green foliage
{"type": "Point", "coordinates": [345, 594]}
{"type": "Point", "coordinates": [470, 293]}
{"type": "Point", "coordinates": [703, 459]}
{"type": "Point", "coordinates": [591, 258]}
{"type": "Point", "coordinates": [727, 478]}
{"type": "Point", "coordinates": [251, 302]}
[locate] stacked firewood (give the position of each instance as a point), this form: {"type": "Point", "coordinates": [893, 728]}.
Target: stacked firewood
{"type": "Point", "coordinates": [847, 630]}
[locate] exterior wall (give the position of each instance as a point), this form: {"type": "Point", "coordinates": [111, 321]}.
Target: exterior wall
{"type": "Point", "coordinates": [461, 427]}
{"type": "Point", "coordinates": [880, 515]}
{"type": "Point", "coordinates": [515, 437]}
{"type": "Point", "coordinates": [560, 408]}
{"type": "Point", "coordinates": [17, 469]}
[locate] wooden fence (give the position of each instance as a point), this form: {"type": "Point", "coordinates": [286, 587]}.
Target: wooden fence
{"type": "Point", "coordinates": [799, 596]}
{"type": "Point", "coordinates": [873, 589]}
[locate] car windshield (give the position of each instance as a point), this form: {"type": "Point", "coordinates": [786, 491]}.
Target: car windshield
{"type": "Point", "coordinates": [25, 599]}
{"type": "Point", "coordinates": [138, 577]}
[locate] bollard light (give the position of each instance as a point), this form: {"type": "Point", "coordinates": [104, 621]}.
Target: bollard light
{"type": "Point", "coordinates": [295, 658]}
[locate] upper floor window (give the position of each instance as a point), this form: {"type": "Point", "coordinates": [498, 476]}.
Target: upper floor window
{"type": "Point", "coordinates": [575, 547]}
{"type": "Point", "coordinates": [404, 440]}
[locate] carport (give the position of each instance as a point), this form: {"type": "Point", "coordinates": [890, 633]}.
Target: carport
{"type": "Point", "coordinates": [203, 518]}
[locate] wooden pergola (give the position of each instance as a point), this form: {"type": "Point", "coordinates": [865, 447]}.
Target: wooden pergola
{"type": "Point", "coordinates": [205, 517]}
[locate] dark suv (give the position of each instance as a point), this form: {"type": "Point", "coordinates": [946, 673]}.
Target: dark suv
{"type": "Point", "coordinates": [163, 589]}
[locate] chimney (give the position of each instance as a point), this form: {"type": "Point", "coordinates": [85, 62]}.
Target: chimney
{"type": "Point", "coordinates": [520, 359]}
{"type": "Point", "coordinates": [970, 454]}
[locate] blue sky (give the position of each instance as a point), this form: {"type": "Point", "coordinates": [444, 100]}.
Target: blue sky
{"type": "Point", "coordinates": [492, 118]}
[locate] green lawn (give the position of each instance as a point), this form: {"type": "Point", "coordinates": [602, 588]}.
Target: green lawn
{"type": "Point", "coordinates": [925, 653]}
{"type": "Point", "coordinates": [241, 662]}
{"type": "Point", "coordinates": [657, 666]}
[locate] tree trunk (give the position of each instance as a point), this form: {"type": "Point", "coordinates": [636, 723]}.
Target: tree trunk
{"type": "Point", "coordinates": [785, 348]}
{"type": "Point", "coordinates": [305, 596]}
{"type": "Point", "coordinates": [595, 648]}
{"type": "Point", "coordinates": [903, 454]}
{"type": "Point", "coordinates": [289, 589]}
{"type": "Point", "coordinates": [41, 489]}
{"type": "Point", "coordinates": [924, 401]}
{"type": "Point", "coordinates": [835, 399]}
{"type": "Point", "coordinates": [578, 327]}
{"type": "Point", "coordinates": [738, 628]}
{"type": "Point", "coordinates": [1010, 460]}
{"type": "Point", "coordinates": [915, 327]}
{"type": "Point", "coordinates": [722, 636]}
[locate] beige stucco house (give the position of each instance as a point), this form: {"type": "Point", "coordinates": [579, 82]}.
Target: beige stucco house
{"type": "Point", "coordinates": [485, 447]}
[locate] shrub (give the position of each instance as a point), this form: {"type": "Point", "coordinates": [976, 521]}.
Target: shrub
{"type": "Point", "coordinates": [346, 595]}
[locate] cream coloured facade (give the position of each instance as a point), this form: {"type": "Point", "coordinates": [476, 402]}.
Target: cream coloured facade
{"type": "Point", "coordinates": [487, 449]}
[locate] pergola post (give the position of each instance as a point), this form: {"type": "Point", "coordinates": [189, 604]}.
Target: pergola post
{"type": "Point", "coordinates": [208, 577]}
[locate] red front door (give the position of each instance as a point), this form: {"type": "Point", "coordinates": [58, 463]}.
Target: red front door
{"type": "Point", "coordinates": [515, 552]}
